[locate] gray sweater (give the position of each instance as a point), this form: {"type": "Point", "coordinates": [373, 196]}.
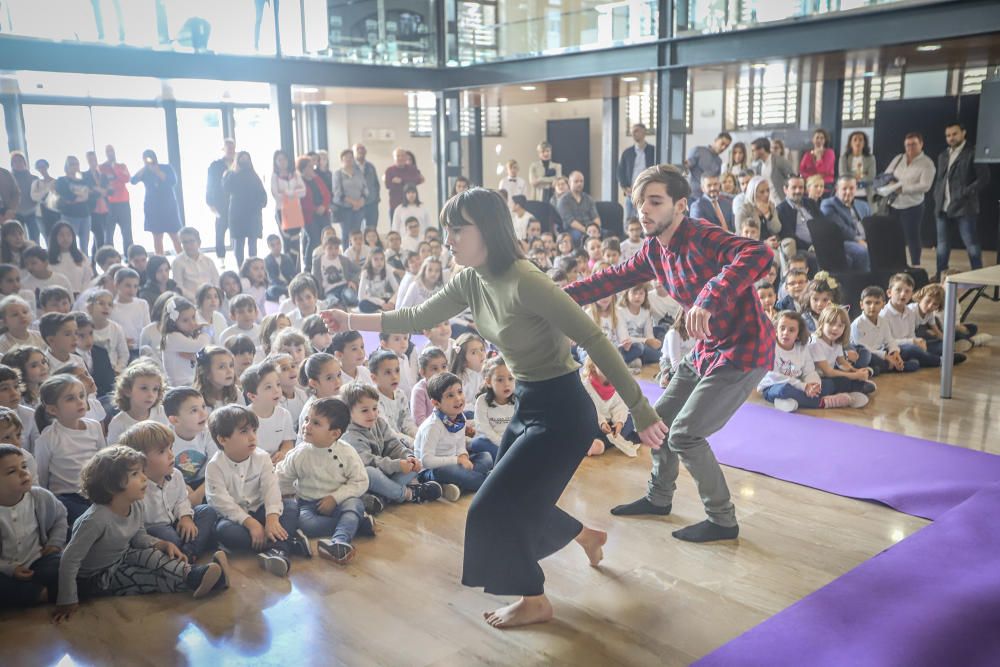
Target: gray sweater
{"type": "Point", "coordinates": [51, 516]}
{"type": "Point", "coordinates": [379, 446]}
{"type": "Point", "coordinates": [100, 539]}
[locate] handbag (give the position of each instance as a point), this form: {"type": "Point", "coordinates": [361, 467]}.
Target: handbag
{"type": "Point", "coordinates": [291, 214]}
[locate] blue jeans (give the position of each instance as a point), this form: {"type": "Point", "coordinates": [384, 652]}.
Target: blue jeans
{"type": "Point", "coordinates": [344, 296]}
{"type": "Point", "coordinates": [839, 385]}
{"type": "Point", "coordinates": [205, 519]}
{"type": "Point", "coordinates": [82, 228]}
{"type": "Point", "coordinates": [648, 354]}
{"type": "Point", "coordinates": [370, 214]}
{"type": "Point", "coordinates": [926, 359]}
{"type": "Point", "coordinates": [466, 480]}
{"type": "Point", "coordinates": [857, 257]}
{"type": "Point", "coordinates": [350, 221]}
{"type": "Point", "coordinates": [20, 593]}
{"type": "Point", "coordinates": [483, 444]}
{"type": "Point", "coordinates": [391, 487]}
{"type": "Point", "coordinates": [630, 211]}
{"type": "Point", "coordinates": [967, 230]}
{"type": "Point", "coordinates": [341, 525]}
{"type": "Point", "coordinates": [911, 219]}
{"type": "Point", "coordinates": [786, 390]}
{"type": "Point", "coordinates": [236, 537]}
{"type": "Point", "coordinates": [882, 366]}
{"type": "Point", "coordinates": [75, 505]}
{"type": "Point", "coordinates": [864, 356]}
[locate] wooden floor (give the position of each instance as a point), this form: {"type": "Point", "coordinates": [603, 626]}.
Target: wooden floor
{"type": "Point", "coordinates": [655, 601]}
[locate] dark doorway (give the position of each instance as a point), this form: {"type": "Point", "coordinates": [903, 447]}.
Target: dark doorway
{"type": "Point", "coordinates": [570, 141]}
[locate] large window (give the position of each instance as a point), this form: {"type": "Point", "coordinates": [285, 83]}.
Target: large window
{"type": "Point", "coordinates": [200, 134]}
{"type": "Point", "coordinates": [713, 16]}
{"type": "Point", "coordinates": [256, 132]}
{"type": "Point", "coordinates": [762, 96]}
{"type": "Point", "coordinates": [422, 110]}
{"type": "Point", "coordinates": [862, 91]}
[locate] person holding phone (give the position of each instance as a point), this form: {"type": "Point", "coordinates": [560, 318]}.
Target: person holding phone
{"type": "Point", "coordinates": [160, 206]}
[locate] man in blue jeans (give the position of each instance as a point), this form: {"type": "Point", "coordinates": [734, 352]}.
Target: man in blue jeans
{"type": "Point", "coordinates": [956, 195]}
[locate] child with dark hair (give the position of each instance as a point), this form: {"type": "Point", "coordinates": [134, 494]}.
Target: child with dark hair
{"type": "Point", "coordinates": [349, 349]}
{"type": "Point", "coordinates": [58, 330]}
{"type": "Point", "coordinates": [328, 479]}
{"type": "Point", "coordinates": [275, 429]}
{"type": "Point", "coordinates": [494, 407]}
{"type": "Point", "coordinates": [393, 404]}
{"type": "Point", "coordinates": [280, 268]}
{"type": "Point", "coordinates": [336, 275]}
{"type": "Point", "coordinates": [432, 360]}
{"type": "Point", "coordinates": [138, 259]}
{"type": "Point", "coordinates": [871, 331]}
{"type": "Point", "coordinates": [822, 291]}
{"type": "Point", "coordinates": [94, 357]}
{"type": "Point", "coordinates": [243, 312]}
{"type": "Point", "coordinates": [193, 446]}
{"type": "Point", "coordinates": [110, 552]}
{"type": "Point", "coordinates": [130, 312]}
{"type": "Point", "coordinates": [38, 273]}
{"type": "Point", "coordinates": [315, 329]}
{"type": "Point", "coordinates": [305, 296]}
{"type": "Point", "coordinates": [243, 350]}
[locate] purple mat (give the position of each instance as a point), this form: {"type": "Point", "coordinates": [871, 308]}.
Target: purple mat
{"type": "Point", "coordinates": [932, 599]}
{"type": "Point", "coordinates": [917, 477]}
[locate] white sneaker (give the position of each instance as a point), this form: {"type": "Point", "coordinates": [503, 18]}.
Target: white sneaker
{"type": "Point", "coordinates": [451, 492]}
{"type": "Point", "coordinates": [981, 339]}
{"type": "Point", "coordinates": [858, 400]}
{"type": "Point", "coordinates": [786, 404]}
{"type": "Point", "coordinates": [628, 448]}
{"type": "Point", "coordinates": [963, 345]}
{"type": "Point", "coordinates": [635, 366]}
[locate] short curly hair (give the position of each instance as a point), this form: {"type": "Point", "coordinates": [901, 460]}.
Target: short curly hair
{"type": "Point", "coordinates": [107, 472]}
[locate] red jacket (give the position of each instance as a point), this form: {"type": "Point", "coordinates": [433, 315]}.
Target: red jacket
{"type": "Point", "coordinates": [317, 195]}
{"type": "Point", "coordinates": [118, 173]}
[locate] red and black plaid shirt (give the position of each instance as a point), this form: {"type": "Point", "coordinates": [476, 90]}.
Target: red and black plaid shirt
{"type": "Point", "coordinates": [703, 265]}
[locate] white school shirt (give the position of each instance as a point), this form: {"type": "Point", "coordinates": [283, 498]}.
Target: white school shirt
{"type": "Point", "coordinates": [96, 410]}
{"type": "Point", "coordinates": [112, 339]}
{"type": "Point", "coordinates": [234, 490]}
{"type": "Point", "coordinates": [62, 452]}
{"type": "Point", "coordinates": [449, 350]}
{"type": "Point", "coordinates": [404, 286]}
{"type": "Point", "coordinates": [472, 381]}
{"type": "Point", "coordinates": [661, 306]}
{"type": "Point", "coordinates": [612, 410]}
{"type": "Point", "coordinates": [275, 429]}
{"type": "Point", "coordinates": [19, 535]}
{"type": "Point", "coordinates": [191, 273]}
{"type": "Point", "coordinates": [416, 294]}
{"type": "Point", "coordinates": [435, 446]}
{"type": "Point", "coordinates": [78, 275]}
{"type": "Point", "coordinates": [405, 211]}
{"type": "Point", "coordinates": [8, 342]}
{"type": "Point", "coordinates": [180, 370]}
{"type": "Point", "coordinates": [54, 363]}
{"type": "Point", "coordinates": [396, 411]}
{"type": "Point", "coordinates": [190, 456]}
{"type": "Point", "coordinates": [520, 225]}
{"type": "Point", "coordinates": [675, 349]}
{"type": "Point", "coordinates": [363, 375]}
{"type": "Point", "coordinates": [132, 317]}
{"type": "Point", "coordinates": [410, 243]}
{"type": "Point", "coordinates": [377, 290]}
{"type": "Point", "coordinates": [312, 473]}
{"type": "Point", "coordinates": [513, 186]}
{"type": "Point", "coordinates": [639, 327]}
{"type": "Point", "coordinates": [30, 282]}
{"type": "Point", "coordinates": [258, 292]}
{"type": "Point", "coordinates": [823, 351]}
{"type": "Point", "coordinates": [123, 421]}
{"type": "Point", "coordinates": [922, 320]}
{"type": "Point", "coordinates": [29, 430]}
{"type": "Point", "coordinates": [629, 248]}
{"type": "Point", "coordinates": [492, 420]}
{"type": "Point", "coordinates": [215, 327]}
{"type": "Point", "coordinates": [164, 505]}
{"type": "Point", "coordinates": [408, 372]}
{"type": "Point", "coordinates": [902, 325]}
{"type": "Point", "coordinates": [295, 405]}
{"type": "Point", "coordinates": [616, 334]}
{"type": "Point", "coordinates": [794, 366]}
{"type": "Point", "coordinates": [873, 335]}
{"type": "Point", "coordinates": [235, 330]}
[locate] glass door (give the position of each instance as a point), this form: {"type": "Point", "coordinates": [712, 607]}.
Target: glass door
{"type": "Point", "coordinates": [256, 132]}
{"type": "Point", "coordinates": [200, 132]}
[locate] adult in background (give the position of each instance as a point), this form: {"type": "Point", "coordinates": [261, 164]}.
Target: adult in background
{"type": "Point", "coordinates": [712, 206]}
{"type": "Point", "coordinates": [404, 172]}
{"type": "Point", "coordinates": [43, 191]}
{"type": "Point", "coordinates": [370, 209]}
{"type": "Point", "coordinates": [27, 208]}
{"type": "Point", "coordinates": [633, 162]}
{"type": "Point", "coordinates": [288, 189]}
{"type": "Point", "coordinates": [846, 213]}
{"type": "Point", "coordinates": [99, 188]}
{"type": "Point", "coordinates": [513, 521]}
{"type": "Point", "coordinates": [215, 194]}
{"type": "Point", "coordinates": [119, 208]}
{"type": "Point", "coordinates": [774, 168]}
{"type": "Point", "coordinates": [160, 206]}
{"type": "Point", "coordinates": [315, 209]}
{"type": "Point", "coordinates": [543, 173]}
{"type": "Point", "coordinates": [820, 159]}
{"type": "Point", "coordinates": [795, 212]}
{"type": "Point", "coordinates": [914, 174]}
{"type": "Point", "coordinates": [577, 208]}
{"type": "Point", "coordinates": [738, 161]}
{"type": "Point", "coordinates": [711, 273]}
{"type": "Point", "coordinates": [74, 201]}
{"type": "Point", "coordinates": [350, 192]}
{"type": "Point", "coordinates": [956, 194]}
{"type": "Point", "coordinates": [10, 196]}
{"type": "Point", "coordinates": [322, 161]}
{"type": "Point", "coordinates": [247, 198]}
{"type": "Point", "coordinates": [758, 207]}
{"type": "Point", "coordinates": [858, 161]}
{"type": "Point", "coordinates": [706, 160]}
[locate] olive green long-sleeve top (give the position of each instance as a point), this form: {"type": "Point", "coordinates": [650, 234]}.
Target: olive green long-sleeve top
{"type": "Point", "coordinates": [528, 317]}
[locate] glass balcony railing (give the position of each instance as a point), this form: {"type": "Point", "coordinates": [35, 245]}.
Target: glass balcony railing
{"type": "Point", "coordinates": [696, 17]}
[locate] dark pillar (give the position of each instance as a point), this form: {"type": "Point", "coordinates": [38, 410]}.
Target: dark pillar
{"type": "Point", "coordinates": [671, 130]}
{"type": "Point", "coordinates": [474, 171]}
{"type": "Point", "coordinates": [228, 122]}
{"type": "Point", "coordinates": [447, 142]}
{"type": "Point", "coordinates": [610, 127]}
{"type": "Point", "coordinates": [281, 102]}
{"type": "Point", "coordinates": [832, 112]}
{"type": "Point", "coordinates": [13, 123]}
{"type": "Point", "coordinates": [174, 150]}
{"type": "Point", "coordinates": [316, 133]}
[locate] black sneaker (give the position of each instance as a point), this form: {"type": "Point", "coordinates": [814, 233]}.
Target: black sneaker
{"type": "Point", "coordinates": [425, 492]}
{"type": "Point", "coordinates": [366, 526]}
{"type": "Point", "coordinates": [338, 552]}
{"type": "Point", "coordinates": [373, 504]}
{"type": "Point", "coordinates": [219, 557]}
{"type": "Point", "coordinates": [203, 578]}
{"type": "Point", "coordinates": [299, 544]}
{"type": "Point", "coordinates": [274, 561]}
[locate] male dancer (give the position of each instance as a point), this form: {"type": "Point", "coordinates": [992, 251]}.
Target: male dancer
{"type": "Point", "coordinates": [711, 273]}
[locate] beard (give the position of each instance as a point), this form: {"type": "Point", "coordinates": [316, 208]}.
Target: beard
{"type": "Point", "coordinates": [661, 226]}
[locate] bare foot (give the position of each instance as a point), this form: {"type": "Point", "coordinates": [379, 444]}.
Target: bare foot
{"type": "Point", "coordinates": [596, 449]}
{"type": "Point", "coordinates": [527, 610]}
{"type": "Point", "coordinates": [592, 540]}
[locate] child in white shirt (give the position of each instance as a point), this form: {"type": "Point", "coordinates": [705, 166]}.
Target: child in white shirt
{"type": "Point", "coordinates": [613, 417]}
{"type": "Point", "coordinates": [305, 295]}
{"type": "Point", "coordinates": [872, 332]}
{"type": "Point", "coordinates": [634, 312]}
{"type": "Point", "coordinates": [15, 317]}
{"type": "Point", "coordinates": [513, 184]}
{"type": "Point", "coordinates": [191, 268]}
{"type": "Point", "coordinates": [37, 272]}
{"type": "Point", "coordinates": [439, 336]}
{"type": "Point", "coordinates": [138, 394]}
{"type": "Point", "coordinates": [677, 346]}
{"type": "Point", "coordinates": [903, 324]}
{"type": "Point", "coordinates": [349, 349]}
{"type": "Point", "coordinates": [293, 396]}
{"type": "Point", "coordinates": [494, 407]}
{"type": "Point", "coordinates": [58, 330]}
{"type": "Point", "coordinates": [243, 310]}
{"type": "Point", "coordinates": [108, 333]}
{"type": "Point", "coordinates": [130, 312]}
{"type": "Point", "coordinates": [181, 340]}
{"type": "Point", "coordinates": [193, 445]}
{"type": "Point", "coordinates": [275, 432]}
{"type": "Point", "coordinates": [633, 243]}
{"type": "Point", "coordinates": [827, 348]}
{"type": "Point", "coordinates": [393, 404]}
{"type": "Point", "coordinates": [408, 371]}
{"type": "Point", "coordinates": [208, 299]}
{"type": "Point", "coordinates": [467, 364]}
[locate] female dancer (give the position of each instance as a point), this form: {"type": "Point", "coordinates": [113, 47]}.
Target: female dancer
{"type": "Point", "coordinates": [513, 521]}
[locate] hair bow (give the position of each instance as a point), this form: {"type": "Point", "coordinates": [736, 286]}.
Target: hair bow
{"type": "Point", "coordinates": [830, 280]}
{"type": "Point", "coordinates": [173, 312]}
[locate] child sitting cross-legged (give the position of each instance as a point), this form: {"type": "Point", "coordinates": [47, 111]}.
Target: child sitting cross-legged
{"type": "Point", "coordinates": [168, 513]}
{"type": "Point", "coordinates": [432, 360]}
{"type": "Point", "coordinates": [903, 323]}
{"type": "Point", "coordinates": [393, 404]}
{"type": "Point", "coordinates": [494, 407]}
{"type": "Point", "coordinates": [793, 383]}
{"type": "Point", "coordinates": [193, 446]}
{"type": "Point", "coordinates": [613, 418]}
{"type": "Point", "coordinates": [329, 479]}
{"type": "Point", "coordinates": [392, 467]}
{"type": "Point", "coordinates": [242, 488]}
{"type": "Point", "coordinates": [871, 331]}
{"type": "Point", "coordinates": [440, 442]}
{"type": "Point", "coordinates": [110, 552]}
{"type": "Point", "coordinates": [275, 430]}
{"type": "Point", "coordinates": [828, 350]}
{"type": "Point", "coordinates": [138, 392]}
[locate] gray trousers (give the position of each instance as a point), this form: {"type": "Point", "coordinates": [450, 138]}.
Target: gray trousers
{"type": "Point", "coordinates": [695, 407]}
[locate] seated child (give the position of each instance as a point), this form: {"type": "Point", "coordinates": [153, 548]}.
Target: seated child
{"type": "Point", "coordinates": [15, 320]}
{"type": "Point", "coordinates": [467, 365]}
{"type": "Point", "coordinates": [432, 360]}
{"type": "Point", "coordinates": [95, 358]}
{"type": "Point", "coordinates": [767, 297]}
{"type": "Point", "coordinates": [215, 377]}
{"type": "Point", "coordinates": [393, 404]}
{"type": "Point", "coordinates": [58, 330]}
{"type": "Point", "coordinates": [305, 297]}
{"type": "Point", "coordinates": [821, 291]}
{"type": "Point", "coordinates": [871, 331]}
{"type": "Point", "coordinates": [828, 350]}
{"type": "Point", "coordinates": [243, 310]}
{"type": "Point", "coordinates": [12, 433]}
{"type": "Point", "coordinates": [38, 274]}
{"type": "Point", "coordinates": [796, 281]}
{"type": "Point", "coordinates": [280, 268]}
{"type": "Point", "coordinates": [137, 395]}
{"type": "Point", "coordinates": [193, 446]}
{"type": "Point", "coordinates": [336, 275]}
{"type": "Point", "coordinates": [275, 429]}
{"type": "Point", "coordinates": [902, 323]}
{"type": "Point", "coordinates": [676, 346]}
{"type": "Point", "coordinates": [440, 442]}
{"type": "Point", "coordinates": [793, 383]}
{"type": "Point", "coordinates": [293, 397]}
{"type": "Point", "coordinates": [208, 300]}
{"type": "Point", "coordinates": [291, 341]}
{"type": "Point", "coordinates": [27, 364]}
{"type": "Point", "coordinates": [29, 553]}
{"type": "Point", "coordinates": [315, 329]}
{"type": "Point", "coordinates": [167, 512]}
{"type": "Point", "coordinates": [391, 466]}
{"type": "Point", "coordinates": [110, 552]}
{"type": "Point", "coordinates": [95, 409]}
{"type": "Point", "coordinates": [130, 312]}
{"type": "Point", "coordinates": [242, 488]}
{"type": "Point", "coordinates": [613, 418]}
{"type": "Point", "coordinates": [269, 328]}
{"type": "Point", "coordinates": [400, 344]}
{"type": "Point", "coordinates": [349, 349]}
{"type": "Point", "coordinates": [440, 337]}
{"type": "Point", "coordinates": [494, 407]}
{"type": "Point", "coordinates": [328, 479]}
{"type": "Point", "coordinates": [244, 350]}
{"type": "Point", "coordinates": [108, 333]}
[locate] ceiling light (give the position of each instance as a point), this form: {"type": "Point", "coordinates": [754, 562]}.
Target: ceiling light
{"type": "Point", "coordinates": [308, 90]}
{"type": "Point", "coordinates": [868, 75]}
{"type": "Point", "coordinates": [562, 99]}
{"type": "Point", "coordinates": [759, 66]}
{"type": "Point", "coordinates": [926, 48]}
{"type": "Point", "coordinates": [528, 88]}
{"type": "Point", "coordinates": [326, 103]}
{"type": "Point", "coordinates": [630, 79]}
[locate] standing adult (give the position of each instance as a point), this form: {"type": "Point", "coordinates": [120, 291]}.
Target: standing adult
{"type": "Point", "coordinates": [162, 215]}
{"type": "Point", "coordinates": [27, 208]}
{"type": "Point", "coordinates": [706, 160]}
{"type": "Point", "coordinates": [350, 192]}
{"type": "Point", "coordinates": [397, 176]}
{"type": "Point", "coordinates": [956, 193]}
{"type": "Point", "coordinates": [74, 201]}
{"type": "Point", "coordinates": [43, 191]}
{"type": "Point", "coordinates": [119, 208]}
{"type": "Point", "coordinates": [315, 208]}
{"type": "Point", "coordinates": [288, 189]}
{"type": "Point", "coordinates": [820, 159]}
{"type": "Point", "coordinates": [370, 209]}
{"type": "Point", "coordinates": [711, 273]}
{"type": "Point", "coordinates": [215, 194]}
{"type": "Point", "coordinates": [322, 159]}
{"type": "Point", "coordinates": [247, 199]}
{"type": "Point", "coordinates": [711, 206]}
{"type": "Point", "coordinates": [633, 162]}
{"type": "Point", "coordinates": [858, 161]}
{"type": "Point", "coordinates": [543, 173]}
{"type": "Point", "coordinates": [847, 213]}
{"type": "Point", "coordinates": [577, 208]}
{"type": "Point", "coordinates": [774, 168]}
{"type": "Point", "coordinates": [513, 521]}
{"type": "Point", "coordinates": [914, 174]}
{"type": "Point", "coordinates": [98, 183]}
{"type": "Point", "coordinates": [738, 161]}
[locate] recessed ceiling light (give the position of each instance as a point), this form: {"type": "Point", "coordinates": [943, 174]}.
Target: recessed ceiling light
{"type": "Point", "coordinates": [308, 90]}
{"type": "Point", "coordinates": [326, 103]}
{"type": "Point", "coordinates": [528, 88]}
{"type": "Point", "coordinates": [929, 47]}
{"type": "Point", "coordinates": [630, 79]}
{"type": "Point", "coordinates": [562, 99]}
{"type": "Point", "coordinates": [759, 65]}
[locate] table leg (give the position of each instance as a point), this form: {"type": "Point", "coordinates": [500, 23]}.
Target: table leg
{"type": "Point", "coordinates": [948, 353]}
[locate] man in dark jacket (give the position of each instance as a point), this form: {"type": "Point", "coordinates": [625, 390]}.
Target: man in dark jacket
{"type": "Point", "coordinates": [634, 159]}
{"type": "Point", "coordinates": [956, 195]}
{"type": "Point", "coordinates": [712, 206]}
{"type": "Point", "coordinates": [215, 195]}
{"type": "Point", "coordinates": [795, 212]}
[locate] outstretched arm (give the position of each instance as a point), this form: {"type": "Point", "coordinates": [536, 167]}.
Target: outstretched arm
{"type": "Point", "coordinates": [616, 279]}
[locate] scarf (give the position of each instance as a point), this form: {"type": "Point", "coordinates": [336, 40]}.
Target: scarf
{"type": "Point", "coordinates": [453, 425]}
{"type": "Point", "coordinates": [604, 389]}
